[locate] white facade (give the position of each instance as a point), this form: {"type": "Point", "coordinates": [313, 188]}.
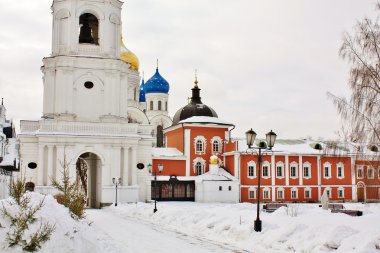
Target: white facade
{"type": "Point", "coordinates": [87, 93]}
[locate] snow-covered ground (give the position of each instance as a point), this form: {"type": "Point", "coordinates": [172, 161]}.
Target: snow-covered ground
{"type": "Point", "coordinates": [298, 228]}
{"type": "Point", "coordinates": [196, 227]}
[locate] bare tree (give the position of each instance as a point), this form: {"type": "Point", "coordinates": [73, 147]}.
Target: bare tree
{"type": "Point", "coordinates": [361, 112]}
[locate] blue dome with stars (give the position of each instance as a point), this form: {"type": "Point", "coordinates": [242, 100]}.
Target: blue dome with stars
{"type": "Point", "coordinates": [156, 84]}
{"type": "Point", "coordinates": [142, 92]}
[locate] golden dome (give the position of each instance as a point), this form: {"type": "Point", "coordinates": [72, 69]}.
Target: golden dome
{"type": "Point", "coordinates": [127, 56]}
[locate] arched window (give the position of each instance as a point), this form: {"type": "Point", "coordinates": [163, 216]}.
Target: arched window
{"type": "Point", "coordinates": [89, 29]}
{"type": "Point", "coordinates": [151, 105]}
{"type": "Point", "coordinates": [159, 105]}
{"type": "Point", "coordinates": [200, 144]}
{"type": "Point", "coordinates": [215, 147]}
{"type": "Point", "coordinates": [198, 168]}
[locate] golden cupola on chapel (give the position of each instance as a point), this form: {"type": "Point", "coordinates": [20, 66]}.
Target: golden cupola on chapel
{"type": "Point", "coordinates": [128, 56]}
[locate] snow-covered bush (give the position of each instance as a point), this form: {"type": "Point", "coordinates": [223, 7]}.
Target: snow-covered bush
{"type": "Point", "coordinates": [71, 196]}
{"type": "Point", "coordinates": [20, 213]}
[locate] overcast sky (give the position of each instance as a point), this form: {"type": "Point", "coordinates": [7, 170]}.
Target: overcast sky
{"type": "Point", "coordinates": [265, 64]}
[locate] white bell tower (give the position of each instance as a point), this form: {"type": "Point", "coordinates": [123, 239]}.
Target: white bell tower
{"type": "Point", "coordinates": [84, 78]}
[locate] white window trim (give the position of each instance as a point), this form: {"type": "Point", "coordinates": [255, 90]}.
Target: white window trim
{"type": "Point", "coordinates": [308, 166]}
{"type": "Point", "coordinates": [254, 193]}
{"type": "Point", "coordinates": [308, 189]}
{"type": "Point", "coordinates": [359, 167]}
{"type": "Point", "coordinates": [282, 191]}
{"type": "Point", "coordinates": [203, 139]}
{"type": "Point", "coordinates": [340, 189]}
{"type": "Point", "coordinates": [340, 164]}
{"type": "Point", "coordinates": [203, 163]}
{"type": "Point", "coordinates": [266, 163]}
{"type": "Point", "coordinates": [219, 140]}
{"type": "Point", "coordinates": [251, 163]}
{"type": "Point", "coordinates": [370, 168]}
{"type": "Point", "coordinates": [280, 164]}
{"type": "Point", "coordinates": [291, 193]}
{"type": "Point", "coordinates": [266, 189]}
{"type": "Point", "coordinates": [378, 172]}
{"type": "Point", "coordinates": [327, 165]}
{"type": "Point", "coordinates": [293, 164]}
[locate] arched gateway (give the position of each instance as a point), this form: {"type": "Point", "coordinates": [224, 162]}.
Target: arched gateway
{"type": "Point", "coordinates": [88, 169]}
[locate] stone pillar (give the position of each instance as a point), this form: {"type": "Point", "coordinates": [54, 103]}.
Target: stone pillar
{"type": "Point", "coordinates": [60, 162]}
{"type": "Point", "coordinates": [40, 165]}
{"type": "Point", "coordinates": [50, 164]}
{"type": "Point", "coordinates": [125, 177]}
{"type": "Point", "coordinates": [133, 167]}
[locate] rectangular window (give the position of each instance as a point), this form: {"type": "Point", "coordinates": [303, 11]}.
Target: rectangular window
{"type": "Point", "coordinates": [294, 194]}
{"type": "Point", "coordinates": [293, 171]}
{"type": "Point", "coordinates": [252, 194]}
{"type": "Point", "coordinates": [306, 172]}
{"type": "Point", "coordinates": [279, 171]}
{"type": "Point", "coordinates": [378, 172]}
{"type": "Point", "coordinates": [340, 193]}
{"type": "Point", "coordinates": [265, 171]}
{"type": "Point", "coordinates": [340, 172]}
{"type": "Point", "coordinates": [370, 172]}
{"type": "Point", "coordinates": [327, 172]}
{"type": "Point", "coordinates": [266, 194]}
{"type": "Point", "coordinates": [359, 171]}
{"type": "Point", "coordinates": [280, 194]}
{"type": "Point", "coordinates": [328, 193]}
{"type": "Point", "coordinates": [220, 188]}
{"type": "Point", "coordinates": [229, 188]}
{"type": "Point", "coordinates": [251, 171]}
{"type": "Point", "coordinates": [215, 147]}
{"type": "Point", "coordinates": [307, 194]}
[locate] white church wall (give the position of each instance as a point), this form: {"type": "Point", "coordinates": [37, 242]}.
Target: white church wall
{"type": "Point", "coordinates": [208, 191]}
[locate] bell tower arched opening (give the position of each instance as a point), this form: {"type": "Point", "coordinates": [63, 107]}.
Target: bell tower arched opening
{"type": "Point", "coordinates": [88, 29]}
{"type": "Point", "coordinates": [88, 168]}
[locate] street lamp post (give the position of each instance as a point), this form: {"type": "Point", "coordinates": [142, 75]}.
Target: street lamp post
{"type": "Point", "coordinates": [270, 138]}
{"type": "Point", "coordinates": [160, 169]}
{"type": "Point", "coordinates": [116, 182]}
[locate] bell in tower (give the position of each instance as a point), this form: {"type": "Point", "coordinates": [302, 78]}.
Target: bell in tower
{"type": "Point", "coordinates": [88, 29]}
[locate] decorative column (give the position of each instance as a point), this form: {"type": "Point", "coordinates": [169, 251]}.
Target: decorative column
{"type": "Point", "coordinates": [125, 177]}
{"type": "Point", "coordinates": [133, 167]}
{"type": "Point", "coordinates": [40, 166]}
{"type": "Point", "coordinates": [50, 164]}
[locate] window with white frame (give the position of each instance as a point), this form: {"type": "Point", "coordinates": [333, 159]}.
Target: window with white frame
{"type": "Point", "coordinates": [378, 172]}
{"type": "Point", "coordinates": [328, 192]}
{"type": "Point", "coordinates": [251, 169]}
{"type": "Point", "coordinates": [200, 144]}
{"type": "Point", "coordinates": [340, 192]}
{"type": "Point", "coordinates": [199, 166]}
{"type": "Point", "coordinates": [266, 194]}
{"type": "Point", "coordinates": [370, 172]}
{"type": "Point", "coordinates": [307, 193]}
{"type": "Point", "coordinates": [216, 143]}
{"type": "Point", "coordinates": [359, 171]}
{"type": "Point", "coordinates": [306, 170]}
{"type": "Point", "coordinates": [280, 193]}
{"type": "Point", "coordinates": [280, 170]}
{"type": "Point", "coordinates": [327, 170]}
{"type": "Point", "coordinates": [294, 193]}
{"type": "Point", "coordinates": [266, 169]}
{"type": "Point", "coordinates": [293, 170]}
{"type": "Point", "coordinates": [251, 194]}
{"type": "Point", "coordinates": [340, 170]}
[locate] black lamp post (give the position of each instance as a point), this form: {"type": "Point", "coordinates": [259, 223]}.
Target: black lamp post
{"type": "Point", "coordinates": [160, 169]}
{"type": "Point", "coordinates": [270, 138]}
{"type": "Point", "coordinates": [116, 182]}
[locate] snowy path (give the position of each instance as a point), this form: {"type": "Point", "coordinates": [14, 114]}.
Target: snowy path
{"type": "Point", "coordinates": [134, 236]}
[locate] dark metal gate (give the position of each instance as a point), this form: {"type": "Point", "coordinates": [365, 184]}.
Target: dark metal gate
{"type": "Point", "coordinates": [173, 190]}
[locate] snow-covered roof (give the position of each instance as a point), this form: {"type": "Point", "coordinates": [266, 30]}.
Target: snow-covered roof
{"type": "Point", "coordinates": [166, 152]}
{"type": "Point", "coordinates": [222, 175]}
{"type": "Point", "coordinates": [205, 119]}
